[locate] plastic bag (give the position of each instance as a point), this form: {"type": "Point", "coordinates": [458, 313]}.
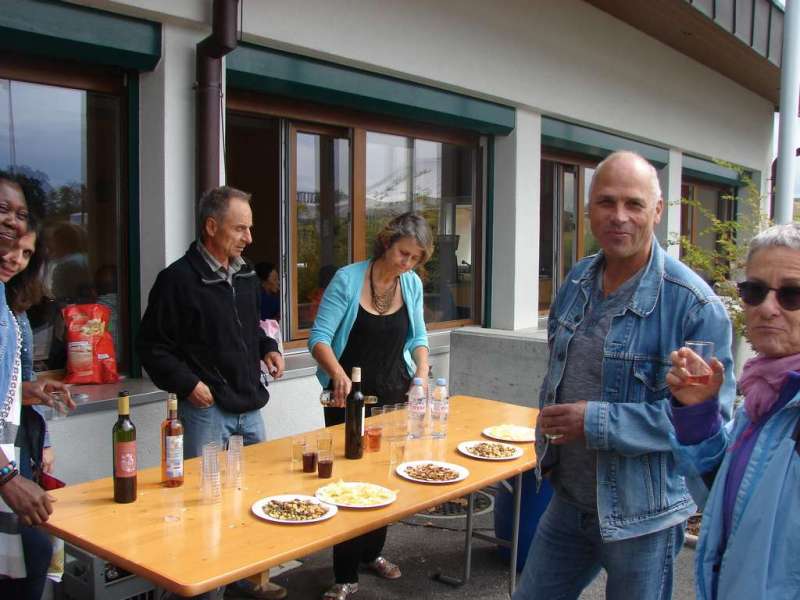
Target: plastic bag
{"type": "Point", "coordinates": [273, 329]}
{"type": "Point", "coordinates": [90, 348]}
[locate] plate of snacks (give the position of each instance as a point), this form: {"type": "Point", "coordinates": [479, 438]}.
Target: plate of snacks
{"type": "Point", "coordinates": [510, 433]}
{"type": "Point", "coordinates": [293, 509]}
{"type": "Point", "coordinates": [484, 450]}
{"type": "Point", "coordinates": [432, 471]}
{"type": "Point", "coordinates": [356, 494]}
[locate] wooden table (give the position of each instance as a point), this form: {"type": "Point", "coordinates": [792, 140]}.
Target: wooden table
{"type": "Point", "coordinates": [170, 537]}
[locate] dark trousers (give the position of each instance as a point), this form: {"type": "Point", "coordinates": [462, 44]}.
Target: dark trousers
{"type": "Point", "coordinates": [364, 548]}
{"type": "Point", "coordinates": [38, 550]}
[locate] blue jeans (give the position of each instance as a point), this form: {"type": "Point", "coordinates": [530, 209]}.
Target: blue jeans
{"type": "Point", "coordinates": [567, 553]}
{"type": "Point", "coordinates": [214, 424]}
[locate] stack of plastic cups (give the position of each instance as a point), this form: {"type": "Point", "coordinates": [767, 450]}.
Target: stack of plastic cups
{"type": "Point", "coordinates": [234, 471]}
{"type": "Point", "coordinates": [211, 485]}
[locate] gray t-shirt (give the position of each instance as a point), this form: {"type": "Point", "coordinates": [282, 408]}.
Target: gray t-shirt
{"type": "Point", "coordinates": [574, 477]}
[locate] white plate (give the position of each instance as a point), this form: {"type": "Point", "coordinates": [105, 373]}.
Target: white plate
{"type": "Point", "coordinates": [320, 493]}
{"type": "Point", "coordinates": [517, 434]}
{"type": "Point", "coordinates": [466, 448]}
{"type": "Point", "coordinates": [258, 509]}
{"type": "Point", "coordinates": [463, 472]}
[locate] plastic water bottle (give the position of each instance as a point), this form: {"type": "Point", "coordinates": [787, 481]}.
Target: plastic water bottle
{"type": "Point", "coordinates": [417, 407]}
{"type": "Point", "coordinates": [440, 409]}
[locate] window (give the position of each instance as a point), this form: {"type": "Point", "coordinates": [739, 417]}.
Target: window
{"type": "Point", "coordinates": [344, 176]}
{"type": "Point", "coordinates": [565, 235]}
{"type": "Point", "coordinates": [701, 202]}
{"type": "Point", "coordinates": [65, 133]}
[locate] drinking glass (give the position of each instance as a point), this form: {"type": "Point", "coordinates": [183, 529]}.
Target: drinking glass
{"type": "Point", "coordinates": [210, 476]}
{"type": "Point", "coordinates": [233, 474]}
{"type": "Point", "coordinates": [699, 366]}
{"type": "Point", "coordinates": [397, 451]}
{"type": "Point", "coordinates": [325, 458]}
{"type": "Point", "coordinates": [298, 448]}
{"type": "Point", "coordinates": [324, 442]}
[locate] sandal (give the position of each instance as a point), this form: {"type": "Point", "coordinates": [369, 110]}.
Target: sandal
{"type": "Point", "coordinates": [384, 568]}
{"type": "Point", "coordinates": [340, 591]}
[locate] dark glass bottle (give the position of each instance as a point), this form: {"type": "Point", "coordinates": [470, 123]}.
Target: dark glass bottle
{"type": "Point", "coordinates": [354, 418]}
{"type": "Point", "coordinates": [123, 437]}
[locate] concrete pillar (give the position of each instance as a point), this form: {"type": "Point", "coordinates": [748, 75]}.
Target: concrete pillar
{"type": "Point", "coordinates": [166, 154]}
{"type": "Point", "coordinates": [670, 178]}
{"type": "Point", "coordinates": [515, 255]}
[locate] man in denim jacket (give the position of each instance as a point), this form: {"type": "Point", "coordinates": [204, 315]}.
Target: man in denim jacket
{"type": "Point", "coordinates": [604, 429]}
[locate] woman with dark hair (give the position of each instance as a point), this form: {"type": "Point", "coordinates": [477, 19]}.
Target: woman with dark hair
{"type": "Point", "coordinates": [371, 316]}
{"type": "Point", "coordinates": [25, 550]}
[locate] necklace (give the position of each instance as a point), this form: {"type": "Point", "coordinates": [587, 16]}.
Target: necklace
{"type": "Point", "coordinates": [382, 302]}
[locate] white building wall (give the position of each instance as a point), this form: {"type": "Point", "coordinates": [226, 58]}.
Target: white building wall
{"type": "Point", "coordinates": [515, 258]}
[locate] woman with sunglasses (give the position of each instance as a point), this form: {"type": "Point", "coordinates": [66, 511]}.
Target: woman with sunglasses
{"type": "Point", "coordinates": [750, 538]}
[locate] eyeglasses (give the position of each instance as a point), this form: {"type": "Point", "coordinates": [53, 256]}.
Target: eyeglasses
{"type": "Point", "coordinates": [754, 293]}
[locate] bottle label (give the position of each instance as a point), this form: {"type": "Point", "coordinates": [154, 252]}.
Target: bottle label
{"type": "Point", "coordinates": [174, 456]}
{"type": "Point", "coordinates": [125, 465]}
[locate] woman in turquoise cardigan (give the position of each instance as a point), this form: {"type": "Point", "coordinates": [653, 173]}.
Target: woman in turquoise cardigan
{"type": "Point", "coordinates": [371, 316]}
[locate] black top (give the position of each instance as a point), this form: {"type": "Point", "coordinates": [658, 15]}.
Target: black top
{"type": "Point", "coordinates": [376, 345]}
{"type": "Point", "coordinates": [198, 327]}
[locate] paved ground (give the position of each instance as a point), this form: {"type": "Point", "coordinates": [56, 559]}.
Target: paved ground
{"type": "Point", "coordinates": [425, 546]}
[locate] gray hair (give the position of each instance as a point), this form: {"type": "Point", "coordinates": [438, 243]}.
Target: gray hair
{"type": "Point", "coordinates": [653, 183]}
{"type": "Point", "coordinates": [214, 204]}
{"type": "Point", "coordinates": [777, 236]}
{"type": "Point", "coordinates": [409, 225]}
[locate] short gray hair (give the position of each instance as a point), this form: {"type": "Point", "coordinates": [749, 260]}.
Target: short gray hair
{"type": "Point", "coordinates": [214, 204]}
{"type": "Point", "coordinates": [777, 236]}
{"type": "Point", "coordinates": [407, 225]}
{"type": "Point", "coordinates": [654, 184]}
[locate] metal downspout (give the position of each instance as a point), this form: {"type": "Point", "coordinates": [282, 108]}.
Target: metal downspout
{"type": "Point", "coordinates": [787, 130]}
{"type": "Point", "coordinates": [210, 51]}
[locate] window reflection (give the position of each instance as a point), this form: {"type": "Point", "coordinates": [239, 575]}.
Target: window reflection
{"type": "Point", "coordinates": [323, 217]}
{"type": "Point", "coordinates": [66, 144]}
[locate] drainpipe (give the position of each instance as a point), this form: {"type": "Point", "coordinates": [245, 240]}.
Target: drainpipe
{"type": "Point", "coordinates": [209, 92]}
{"type": "Point", "coordinates": [787, 128]}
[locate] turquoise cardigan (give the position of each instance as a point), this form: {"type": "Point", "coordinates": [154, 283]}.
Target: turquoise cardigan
{"type": "Point", "coordinates": [339, 308]}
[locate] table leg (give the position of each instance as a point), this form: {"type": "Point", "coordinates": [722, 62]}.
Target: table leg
{"type": "Point", "coordinates": [515, 533]}
{"type": "Point", "coordinates": [455, 581]}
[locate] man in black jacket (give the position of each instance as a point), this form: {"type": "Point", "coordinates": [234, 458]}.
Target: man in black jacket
{"type": "Point", "coordinates": [200, 335]}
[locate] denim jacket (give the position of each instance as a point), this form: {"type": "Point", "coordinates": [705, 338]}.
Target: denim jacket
{"type": "Point", "coordinates": [639, 490]}
{"type": "Point", "coordinates": [759, 557]}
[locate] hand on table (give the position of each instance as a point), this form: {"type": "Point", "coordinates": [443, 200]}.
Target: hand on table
{"type": "Point", "coordinates": [30, 502]}
{"type": "Point", "coordinates": [686, 392]}
{"type": "Point", "coordinates": [275, 364]}
{"type": "Point", "coordinates": [201, 396]}
{"type": "Point", "coordinates": [564, 421]}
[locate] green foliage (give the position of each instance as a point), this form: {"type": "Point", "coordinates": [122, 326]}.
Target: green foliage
{"type": "Point", "coordinates": [721, 265]}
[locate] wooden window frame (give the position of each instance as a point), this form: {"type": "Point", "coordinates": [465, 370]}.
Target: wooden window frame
{"type": "Point", "coordinates": [322, 118]}
{"type": "Point", "coordinates": [581, 163]}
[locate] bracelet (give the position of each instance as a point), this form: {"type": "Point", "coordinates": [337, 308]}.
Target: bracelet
{"type": "Point", "coordinates": [8, 477]}
{"type": "Point", "coordinates": [7, 469]}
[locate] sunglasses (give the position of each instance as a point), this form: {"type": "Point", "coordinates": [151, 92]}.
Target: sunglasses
{"type": "Point", "coordinates": [754, 293]}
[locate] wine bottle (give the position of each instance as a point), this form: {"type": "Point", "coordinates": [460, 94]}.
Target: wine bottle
{"type": "Point", "coordinates": [354, 418]}
{"type": "Point", "coordinates": [172, 446]}
{"type": "Point", "coordinates": [123, 437]}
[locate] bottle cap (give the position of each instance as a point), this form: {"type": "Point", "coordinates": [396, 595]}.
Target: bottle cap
{"type": "Point", "coordinates": [417, 380]}
{"type": "Point", "coordinates": [123, 405]}
{"type": "Point", "coordinates": [356, 375]}
{"type": "Point", "coordinates": [441, 381]}
{"type": "Point", "coordinates": [172, 402]}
